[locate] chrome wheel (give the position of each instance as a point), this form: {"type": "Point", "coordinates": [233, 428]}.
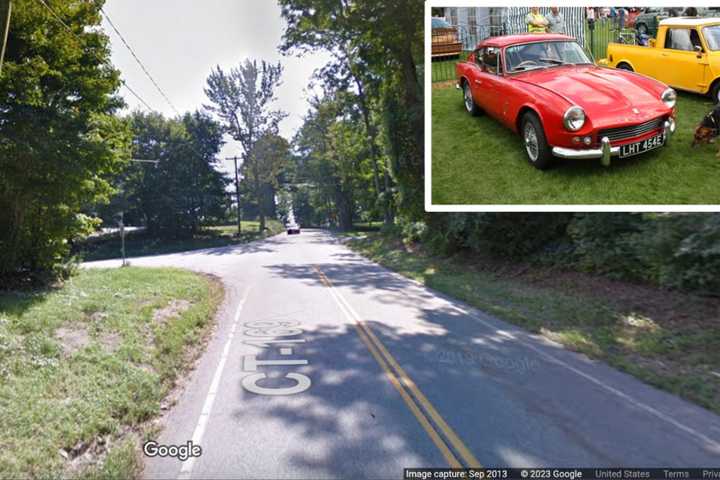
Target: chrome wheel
{"type": "Point", "coordinates": [531, 141]}
{"type": "Point", "coordinates": [468, 98]}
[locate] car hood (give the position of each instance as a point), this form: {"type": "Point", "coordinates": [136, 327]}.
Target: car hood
{"type": "Point", "coordinates": [602, 92]}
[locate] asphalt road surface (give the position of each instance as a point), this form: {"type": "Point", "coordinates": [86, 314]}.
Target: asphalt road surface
{"type": "Point", "coordinates": [326, 365]}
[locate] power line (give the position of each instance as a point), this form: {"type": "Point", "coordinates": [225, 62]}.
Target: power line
{"type": "Point", "coordinates": [124, 83]}
{"type": "Point", "coordinates": [139, 62]}
{"type": "Point", "coordinates": [136, 95]}
{"type": "Point", "coordinates": [67, 27]}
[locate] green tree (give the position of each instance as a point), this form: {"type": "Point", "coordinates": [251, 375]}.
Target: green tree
{"type": "Point", "coordinates": [331, 26]}
{"type": "Point", "coordinates": [242, 98]}
{"type": "Point", "coordinates": [59, 139]}
{"type": "Point", "coordinates": [184, 190]}
{"type": "Point", "coordinates": [376, 46]}
{"type": "Point", "coordinates": [335, 159]}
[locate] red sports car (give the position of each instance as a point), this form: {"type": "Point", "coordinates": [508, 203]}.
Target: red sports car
{"type": "Point", "coordinates": [545, 87]}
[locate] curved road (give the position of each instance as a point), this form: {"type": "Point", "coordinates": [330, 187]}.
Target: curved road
{"type": "Point", "coordinates": [326, 365]}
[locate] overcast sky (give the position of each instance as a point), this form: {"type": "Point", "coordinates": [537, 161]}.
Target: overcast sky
{"type": "Point", "coordinates": [179, 41]}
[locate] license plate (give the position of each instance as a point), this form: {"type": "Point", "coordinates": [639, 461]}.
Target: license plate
{"type": "Point", "coordinates": [637, 148]}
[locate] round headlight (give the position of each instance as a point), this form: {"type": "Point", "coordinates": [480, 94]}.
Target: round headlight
{"type": "Point", "coordinates": [574, 118]}
{"type": "Point", "coordinates": [669, 97]}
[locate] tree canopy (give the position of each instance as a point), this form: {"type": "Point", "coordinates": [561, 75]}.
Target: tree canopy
{"type": "Point", "coordinates": [59, 138]}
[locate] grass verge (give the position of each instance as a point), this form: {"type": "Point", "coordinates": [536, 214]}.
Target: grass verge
{"type": "Point", "coordinates": [668, 339]}
{"type": "Point", "coordinates": [86, 365]}
{"type": "Point", "coordinates": [477, 161]}
{"type": "Point", "coordinates": [139, 243]}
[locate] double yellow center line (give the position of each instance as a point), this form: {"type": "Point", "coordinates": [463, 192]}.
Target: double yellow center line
{"type": "Point", "coordinates": [444, 438]}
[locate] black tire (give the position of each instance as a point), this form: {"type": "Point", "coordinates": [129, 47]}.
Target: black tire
{"type": "Point", "coordinates": [625, 66]}
{"type": "Point", "coordinates": [469, 102]}
{"type": "Point", "coordinates": [531, 131]}
{"type": "Point", "coordinates": [715, 92]}
{"type": "Point", "coordinates": [642, 29]}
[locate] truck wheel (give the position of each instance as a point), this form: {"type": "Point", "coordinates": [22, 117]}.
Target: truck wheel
{"type": "Point", "coordinates": [470, 105]}
{"type": "Point", "coordinates": [642, 29]}
{"type": "Point", "coordinates": [625, 66]}
{"type": "Point", "coordinates": [715, 92]}
{"type": "Point", "coordinates": [538, 151]}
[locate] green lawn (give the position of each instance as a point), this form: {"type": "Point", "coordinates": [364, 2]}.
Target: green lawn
{"type": "Point", "coordinates": [477, 161]}
{"type": "Point", "coordinates": [84, 364]}
{"type": "Point", "coordinates": [667, 339]}
{"type": "Point", "coordinates": [138, 244]}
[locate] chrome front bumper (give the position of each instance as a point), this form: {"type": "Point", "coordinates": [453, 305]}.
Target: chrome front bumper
{"type": "Point", "coordinates": [606, 151]}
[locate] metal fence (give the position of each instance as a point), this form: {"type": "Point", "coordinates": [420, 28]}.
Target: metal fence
{"type": "Point", "coordinates": [454, 44]}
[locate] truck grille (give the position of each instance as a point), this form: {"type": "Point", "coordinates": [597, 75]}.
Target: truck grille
{"type": "Point", "coordinates": [621, 133]}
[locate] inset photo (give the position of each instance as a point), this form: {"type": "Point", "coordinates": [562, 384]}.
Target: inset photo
{"type": "Point", "coordinates": [546, 108]}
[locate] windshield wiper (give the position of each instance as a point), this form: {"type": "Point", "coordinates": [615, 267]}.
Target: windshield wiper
{"type": "Point", "coordinates": [553, 60]}
{"type": "Point", "coordinates": [522, 69]}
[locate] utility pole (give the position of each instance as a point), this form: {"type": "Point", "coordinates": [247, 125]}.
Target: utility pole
{"type": "Point", "coordinates": [5, 35]}
{"type": "Point", "coordinates": [237, 193]}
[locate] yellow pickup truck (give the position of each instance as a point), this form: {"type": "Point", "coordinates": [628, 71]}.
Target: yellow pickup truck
{"type": "Point", "coordinates": [685, 55]}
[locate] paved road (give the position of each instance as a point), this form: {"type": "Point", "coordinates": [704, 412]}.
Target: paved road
{"type": "Point", "coordinates": [326, 365]}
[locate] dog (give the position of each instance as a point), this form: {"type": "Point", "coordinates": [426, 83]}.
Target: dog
{"type": "Point", "coordinates": [709, 128]}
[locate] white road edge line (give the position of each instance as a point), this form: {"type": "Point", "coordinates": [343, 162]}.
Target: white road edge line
{"type": "Point", "coordinates": [469, 311]}
{"type": "Point", "coordinates": [187, 466]}
{"type": "Point", "coordinates": [681, 426]}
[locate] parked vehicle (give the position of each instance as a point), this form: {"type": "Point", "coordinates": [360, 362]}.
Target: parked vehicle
{"type": "Point", "coordinates": [632, 14]}
{"type": "Point", "coordinates": [445, 41]}
{"type": "Point", "coordinates": [647, 22]}
{"type": "Point", "coordinates": [545, 87]}
{"type": "Point", "coordinates": [685, 55]}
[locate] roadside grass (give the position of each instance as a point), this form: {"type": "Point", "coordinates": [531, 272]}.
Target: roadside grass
{"type": "Point", "coordinates": [476, 161]}
{"type": "Point", "coordinates": [138, 244]}
{"type": "Point", "coordinates": [84, 366]}
{"type": "Point", "coordinates": [668, 339]}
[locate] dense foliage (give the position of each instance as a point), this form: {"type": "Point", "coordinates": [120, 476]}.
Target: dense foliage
{"type": "Point", "coordinates": [183, 191]}
{"type": "Point", "coordinates": [59, 139]}
{"type": "Point", "coordinates": [671, 250]}
{"type": "Point", "coordinates": [375, 49]}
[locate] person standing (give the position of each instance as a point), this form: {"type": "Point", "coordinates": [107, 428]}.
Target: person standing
{"type": "Point", "coordinates": [556, 21]}
{"type": "Point", "coordinates": [591, 18]}
{"type": "Point", "coordinates": [535, 21]}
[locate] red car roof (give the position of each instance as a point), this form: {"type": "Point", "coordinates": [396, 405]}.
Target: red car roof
{"type": "Point", "coordinates": [506, 40]}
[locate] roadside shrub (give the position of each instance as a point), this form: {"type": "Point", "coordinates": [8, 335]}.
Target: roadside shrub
{"type": "Point", "coordinates": [669, 250]}
{"type": "Point", "coordinates": [605, 243]}
{"type": "Point", "coordinates": [507, 235]}
{"type": "Point", "coordinates": [682, 251]}
{"type": "Point", "coordinates": [414, 231]}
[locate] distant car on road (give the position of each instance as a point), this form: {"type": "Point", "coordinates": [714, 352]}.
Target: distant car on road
{"type": "Point", "coordinates": [293, 228]}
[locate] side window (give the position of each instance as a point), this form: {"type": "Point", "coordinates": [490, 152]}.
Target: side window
{"type": "Point", "coordinates": [479, 57]}
{"type": "Point", "coordinates": [491, 59]}
{"type": "Point", "coordinates": [695, 39]}
{"type": "Point", "coordinates": [679, 39]}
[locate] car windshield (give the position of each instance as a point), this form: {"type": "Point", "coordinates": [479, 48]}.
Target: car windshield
{"type": "Point", "coordinates": [440, 23]}
{"type": "Point", "coordinates": [712, 37]}
{"type": "Point", "coordinates": [543, 55]}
